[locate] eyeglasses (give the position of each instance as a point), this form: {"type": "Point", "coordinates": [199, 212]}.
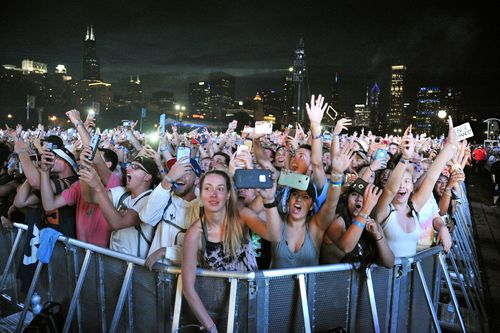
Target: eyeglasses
{"type": "Point", "coordinates": [136, 166]}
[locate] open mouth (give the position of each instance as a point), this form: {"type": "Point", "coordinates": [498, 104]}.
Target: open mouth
{"type": "Point", "coordinates": [401, 194]}
{"type": "Point", "coordinates": [358, 206]}
{"type": "Point", "coordinates": [129, 177]}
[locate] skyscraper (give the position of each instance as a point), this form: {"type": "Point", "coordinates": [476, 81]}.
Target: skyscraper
{"type": "Point", "coordinates": [299, 74]}
{"type": "Point", "coordinates": [91, 69]}
{"type": "Point", "coordinates": [134, 93]}
{"type": "Point", "coordinates": [222, 93]}
{"type": "Point", "coordinates": [376, 121]}
{"type": "Point", "coordinates": [428, 106]}
{"type": "Point", "coordinates": [199, 99]}
{"type": "Point", "coordinates": [396, 117]}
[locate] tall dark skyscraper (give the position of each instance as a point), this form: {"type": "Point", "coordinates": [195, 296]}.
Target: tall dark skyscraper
{"type": "Point", "coordinates": [199, 99]}
{"type": "Point", "coordinates": [299, 82]}
{"type": "Point", "coordinates": [396, 118]}
{"type": "Point", "coordinates": [428, 106]}
{"type": "Point", "coordinates": [376, 121]}
{"type": "Point", "coordinates": [222, 93]}
{"type": "Point", "coordinates": [91, 67]}
{"type": "Point", "coordinates": [334, 97]}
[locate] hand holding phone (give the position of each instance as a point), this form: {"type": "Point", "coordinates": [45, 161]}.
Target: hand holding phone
{"type": "Point", "coordinates": [183, 151]}
{"type": "Point", "coordinates": [253, 178]}
{"type": "Point", "coordinates": [263, 127]}
{"type": "Point", "coordinates": [294, 180]}
{"type": "Point", "coordinates": [94, 145]}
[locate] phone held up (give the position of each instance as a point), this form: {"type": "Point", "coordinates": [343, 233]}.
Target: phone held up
{"type": "Point", "coordinates": [94, 145]}
{"type": "Point", "coordinates": [359, 186]}
{"type": "Point", "coordinates": [183, 151]}
{"type": "Point", "coordinates": [294, 180]}
{"type": "Point", "coordinates": [253, 178]}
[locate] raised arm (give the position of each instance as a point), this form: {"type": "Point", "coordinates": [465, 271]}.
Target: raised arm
{"type": "Point", "coordinates": [425, 190]}
{"type": "Point", "coordinates": [346, 240]}
{"type": "Point", "coordinates": [340, 163]}
{"type": "Point", "coordinates": [49, 200]}
{"type": "Point", "coordinates": [271, 228]}
{"type": "Point", "coordinates": [315, 112]}
{"type": "Point", "coordinates": [394, 181]}
{"type": "Point", "coordinates": [115, 219]}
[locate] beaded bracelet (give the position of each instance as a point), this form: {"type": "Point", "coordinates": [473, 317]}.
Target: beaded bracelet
{"type": "Point", "coordinates": [359, 224]}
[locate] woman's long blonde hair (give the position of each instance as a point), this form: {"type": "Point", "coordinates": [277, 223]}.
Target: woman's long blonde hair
{"type": "Point", "coordinates": [232, 226]}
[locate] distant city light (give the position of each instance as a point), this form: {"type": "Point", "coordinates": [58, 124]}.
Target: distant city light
{"type": "Point", "coordinates": [240, 103]}
{"type": "Point", "coordinates": [290, 69]}
{"type": "Point", "coordinates": [442, 114]}
{"type": "Point", "coordinates": [9, 116]}
{"type": "Point", "coordinates": [153, 137]}
{"type": "Point", "coordinates": [177, 107]}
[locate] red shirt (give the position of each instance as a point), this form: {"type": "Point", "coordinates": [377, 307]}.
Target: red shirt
{"type": "Point", "coordinates": [91, 226]}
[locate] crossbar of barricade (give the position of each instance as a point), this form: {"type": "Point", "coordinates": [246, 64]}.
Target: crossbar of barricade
{"type": "Point", "coordinates": [310, 299]}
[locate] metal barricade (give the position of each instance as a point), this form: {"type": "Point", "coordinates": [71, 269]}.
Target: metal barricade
{"type": "Point", "coordinates": [105, 291]}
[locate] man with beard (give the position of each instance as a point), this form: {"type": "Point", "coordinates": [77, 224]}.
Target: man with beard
{"type": "Point", "coordinates": [174, 206]}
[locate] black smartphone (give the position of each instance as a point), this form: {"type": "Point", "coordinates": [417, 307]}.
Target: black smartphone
{"type": "Point", "coordinates": [359, 186]}
{"type": "Point", "coordinates": [94, 144]}
{"type": "Point", "coordinates": [253, 178]}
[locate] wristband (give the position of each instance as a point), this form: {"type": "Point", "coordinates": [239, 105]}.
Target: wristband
{"type": "Point", "coordinates": [366, 216]}
{"type": "Point", "coordinates": [359, 224]}
{"type": "Point", "coordinates": [170, 180]}
{"type": "Point", "coordinates": [336, 184]}
{"type": "Point", "coordinates": [272, 204]}
{"type": "Point", "coordinates": [337, 176]}
{"type": "Point", "coordinates": [317, 137]}
{"type": "Point", "coordinates": [403, 160]}
{"type": "Point", "coordinates": [379, 238]}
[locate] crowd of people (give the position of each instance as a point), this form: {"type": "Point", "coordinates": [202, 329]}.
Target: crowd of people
{"type": "Point", "coordinates": [331, 197]}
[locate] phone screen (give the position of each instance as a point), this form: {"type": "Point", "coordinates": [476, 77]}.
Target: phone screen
{"type": "Point", "coordinates": [183, 151]}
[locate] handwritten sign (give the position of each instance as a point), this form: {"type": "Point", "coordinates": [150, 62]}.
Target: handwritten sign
{"type": "Point", "coordinates": [463, 131]}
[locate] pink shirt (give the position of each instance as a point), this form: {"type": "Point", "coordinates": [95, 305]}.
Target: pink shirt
{"type": "Point", "coordinates": [91, 226]}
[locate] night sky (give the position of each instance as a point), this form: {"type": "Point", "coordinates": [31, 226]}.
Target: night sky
{"type": "Point", "coordinates": [172, 43]}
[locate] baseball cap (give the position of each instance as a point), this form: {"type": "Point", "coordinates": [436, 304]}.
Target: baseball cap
{"type": "Point", "coordinates": [194, 165]}
{"type": "Point", "coordinates": [67, 156]}
{"type": "Point", "coordinates": [311, 191]}
{"type": "Point", "coordinates": [148, 164]}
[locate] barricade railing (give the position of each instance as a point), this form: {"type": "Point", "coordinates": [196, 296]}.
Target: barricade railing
{"type": "Point", "coordinates": [105, 291]}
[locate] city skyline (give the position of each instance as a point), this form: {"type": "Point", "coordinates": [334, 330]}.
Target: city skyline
{"type": "Point", "coordinates": [440, 45]}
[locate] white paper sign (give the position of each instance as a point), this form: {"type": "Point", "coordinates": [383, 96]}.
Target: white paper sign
{"type": "Point", "coordinates": [463, 131]}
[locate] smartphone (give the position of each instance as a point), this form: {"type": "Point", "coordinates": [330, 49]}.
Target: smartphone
{"type": "Point", "coordinates": [263, 127]}
{"type": "Point", "coordinates": [381, 154]}
{"type": "Point", "coordinates": [294, 180]}
{"type": "Point", "coordinates": [94, 145]}
{"type": "Point", "coordinates": [253, 178]}
{"type": "Point", "coordinates": [50, 146]}
{"type": "Point", "coordinates": [183, 151]}
{"type": "Point", "coordinates": [359, 186]}
{"type": "Point", "coordinates": [249, 144]}
{"type": "Point", "coordinates": [126, 123]}
{"type": "Point", "coordinates": [241, 148]}
{"type": "Point", "coordinates": [248, 130]}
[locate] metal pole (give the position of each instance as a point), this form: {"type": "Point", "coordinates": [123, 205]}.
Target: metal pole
{"type": "Point", "coordinates": [78, 289]}
{"type": "Point", "coordinates": [10, 259]}
{"type": "Point", "coordinates": [452, 292]}
{"type": "Point", "coordinates": [177, 305]}
{"type": "Point", "coordinates": [232, 305]}
{"type": "Point", "coordinates": [428, 297]}
{"type": "Point", "coordinates": [305, 306]}
{"type": "Point", "coordinates": [38, 270]}
{"type": "Point", "coordinates": [373, 304]}
{"type": "Point", "coordinates": [121, 297]}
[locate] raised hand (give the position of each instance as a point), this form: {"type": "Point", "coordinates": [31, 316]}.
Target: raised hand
{"type": "Point", "coordinates": [374, 229]}
{"type": "Point", "coordinates": [47, 160]}
{"type": "Point", "coordinates": [452, 136]}
{"type": "Point", "coordinates": [342, 125]}
{"type": "Point", "coordinates": [73, 115]}
{"type": "Point", "coordinates": [342, 159]}
{"type": "Point", "coordinates": [408, 144]}
{"type": "Point", "coordinates": [180, 167]}
{"type": "Point", "coordinates": [316, 109]}
{"type": "Point", "coordinates": [268, 194]}
{"type": "Point", "coordinates": [370, 198]}
{"type": "Point", "coordinates": [90, 176]}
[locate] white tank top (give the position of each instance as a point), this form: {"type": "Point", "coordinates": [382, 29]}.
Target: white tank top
{"type": "Point", "coordinates": [402, 244]}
